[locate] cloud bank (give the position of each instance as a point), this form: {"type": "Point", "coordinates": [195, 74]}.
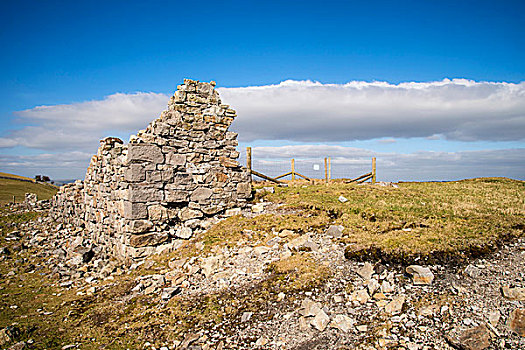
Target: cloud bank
{"type": "Point", "coordinates": [302, 111]}
{"type": "Point", "coordinates": [307, 111]}
{"type": "Point", "coordinates": [80, 125]}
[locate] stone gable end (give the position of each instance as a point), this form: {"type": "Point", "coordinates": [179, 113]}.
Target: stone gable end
{"type": "Point", "coordinates": [170, 181]}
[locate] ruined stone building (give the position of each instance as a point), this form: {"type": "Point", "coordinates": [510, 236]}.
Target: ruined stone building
{"type": "Point", "coordinates": [170, 180]}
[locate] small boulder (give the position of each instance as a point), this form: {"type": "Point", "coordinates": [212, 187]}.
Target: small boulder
{"type": "Point", "coordinates": [420, 275]}
{"type": "Point", "coordinates": [513, 293]}
{"type": "Point", "coordinates": [516, 321]}
{"type": "Point", "coordinates": [396, 305]}
{"type": "Point", "coordinates": [342, 322]}
{"type": "Point", "coordinates": [320, 321]}
{"type": "Point", "coordinates": [335, 231]}
{"type": "Point", "coordinates": [477, 338]}
{"type": "Point", "coordinates": [366, 271]}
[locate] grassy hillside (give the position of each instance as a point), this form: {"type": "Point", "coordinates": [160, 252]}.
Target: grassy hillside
{"type": "Point", "coordinates": [13, 176]}
{"type": "Point", "coordinates": [421, 220]}
{"type": "Point", "coordinates": [17, 188]}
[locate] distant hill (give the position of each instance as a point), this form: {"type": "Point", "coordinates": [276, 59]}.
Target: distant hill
{"type": "Point", "coordinates": [15, 185]}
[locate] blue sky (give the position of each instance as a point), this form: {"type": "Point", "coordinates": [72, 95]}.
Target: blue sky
{"type": "Point", "coordinates": [67, 53]}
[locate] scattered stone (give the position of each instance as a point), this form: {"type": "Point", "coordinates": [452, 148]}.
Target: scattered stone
{"type": "Point", "coordinates": [210, 265]}
{"type": "Point", "coordinates": [362, 328]}
{"type": "Point", "coordinates": [372, 286]}
{"type": "Point", "coordinates": [286, 233]}
{"type": "Point", "coordinates": [303, 325]}
{"type": "Point", "coordinates": [513, 293]}
{"type": "Point", "coordinates": [386, 287]}
{"type": "Point", "coordinates": [262, 341]}
{"type": "Point", "coordinates": [320, 321]}
{"type": "Point", "coordinates": [494, 317]}
{"type": "Point", "coordinates": [516, 321]}
{"type": "Point", "coordinates": [472, 271]}
{"type": "Point", "coordinates": [396, 305]}
{"type": "Point", "coordinates": [420, 275]}
{"type": "Point", "coordinates": [342, 322]}
{"type": "Point", "coordinates": [361, 296]}
{"type": "Point", "coordinates": [168, 293]}
{"type": "Point", "coordinates": [335, 231]}
{"type": "Point", "coordinates": [246, 316]}
{"type": "Point", "coordinates": [258, 208]}
{"type": "Point", "coordinates": [477, 338]}
{"type": "Point", "coordinates": [366, 271]}
{"type": "Point", "coordinates": [310, 308]}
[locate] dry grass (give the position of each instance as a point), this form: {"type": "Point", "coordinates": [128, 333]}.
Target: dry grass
{"type": "Point", "coordinates": [432, 221]}
{"type": "Point", "coordinates": [17, 188]}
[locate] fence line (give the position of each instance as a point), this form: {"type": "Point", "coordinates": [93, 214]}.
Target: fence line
{"type": "Point", "coordinates": [294, 174]}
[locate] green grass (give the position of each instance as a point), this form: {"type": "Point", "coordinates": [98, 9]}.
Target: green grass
{"type": "Point", "coordinates": [429, 221]}
{"type": "Point", "coordinates": [12, 187]}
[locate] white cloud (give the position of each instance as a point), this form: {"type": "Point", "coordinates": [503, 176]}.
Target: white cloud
{"type": "Point", "coordinates": [311, 111]}
{"type": "Point", "coordinates": [303, 111]}
{"type": "Point", "coordinates": [67, 165]}
{"type": "Point", "coordinates": [80, 125]}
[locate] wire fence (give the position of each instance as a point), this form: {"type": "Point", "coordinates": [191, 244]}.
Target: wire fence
{"type": "Point", "coordinates": [312, 167]}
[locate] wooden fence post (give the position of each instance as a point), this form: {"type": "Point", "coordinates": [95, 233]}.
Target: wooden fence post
{"type": "Point", "coordinates": [326, 170]}
{"type": "Point", "coordinates": [293, 169]}
{"type": "Point", "coordinates": [249, 161]}
{"type": "Point", "coordinates": [329, 169]}
{"type": "Point", "coordinates": [373, 170]}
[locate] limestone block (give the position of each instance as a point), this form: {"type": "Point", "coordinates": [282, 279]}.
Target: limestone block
{"type": "Point", "coordinates": [228, 163]}
{"type": "Point", "coordinates": [175, 159]}
{"type": "Point", "coordinates": [144, 193]}
{"type": "Point", "coordinates": [134, 210]}
{"type": "Point", "coordinates": [176, 195]}
{"type": "Point", "coordinates": [184, 232]}
{"type": "Point", "coordinates": [244, 189]}
{"type": "Point", "coordinates": [188, 214]}
{"type": "Point", "coordinates": [140, 226]}
{"type": "Point", "coordinates": [157, 212]}
{"type": "Point", "coordinates": [148, 239]}
{"type": "Point", "coordinates": [140, 152]}
{"type": "Point", "coordinates": [201, 194]}
{"type": "Point", "coordinates": [153, 176]}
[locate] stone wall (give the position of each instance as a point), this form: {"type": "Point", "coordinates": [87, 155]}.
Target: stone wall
{"type": "Point", "coordinates": [171, 180]}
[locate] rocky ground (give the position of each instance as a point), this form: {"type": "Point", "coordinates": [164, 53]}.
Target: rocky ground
{"type": "Point", "coordinates": [349, 305]}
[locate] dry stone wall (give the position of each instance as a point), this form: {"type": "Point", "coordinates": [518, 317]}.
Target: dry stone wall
{"type": "Point", "coordinates": [171, 180]}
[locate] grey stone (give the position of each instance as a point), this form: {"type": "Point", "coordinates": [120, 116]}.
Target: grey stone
{"type": "Point", "coordinates": [516, 321]}
{"type": "Point", "coordinates": [477, 338]}
{"type": "Point", "coordinates": [175, 159]}
{"type": "Point", "coordinates": [145, 152]}
{"type": "Point", "coordinates": [366, 271]}
{"type": "Point", "coordinates": [201, 194]}
{"type": "Point", "coordinates": [420, 275]}
{"type": "Point", "coordinates": [320, 321]}
{"type": "Point", "coordinates": [148, 239]}
{"type": "Point", "coordinates": [184, 232]}
{"type": "Point", "coordinates": [135, 173]}
{"type": "Point", "coordinates": [335, 231]}
{"type": "Point", "coordinates": [246, 316]}
{"type": "Point", "coordinates": [134, 210]}
{"type": "Point", "coordinates": [396, 305]}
